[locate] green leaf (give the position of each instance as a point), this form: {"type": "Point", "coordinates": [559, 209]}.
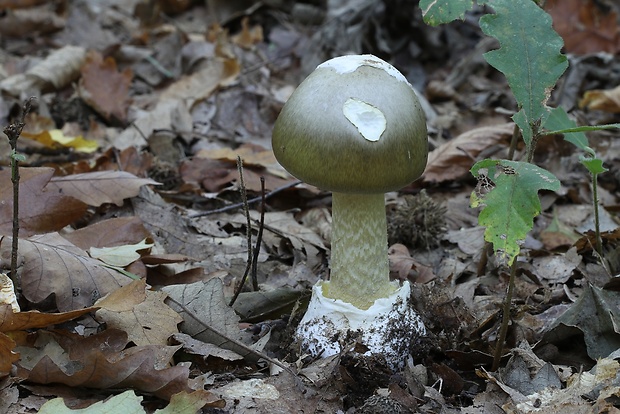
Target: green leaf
{"type": "Point", "coordinates": [436, 12]}
{"type": "Point", "coordinates": [594, 165]}
{"type": "Point", "coordinates": [511, 205]}
{"type": "Point", "coordinates": [529, 54]}
{"type": "Point", "coordinates": [558, 120]}
{"type": "Point", "coordinates": [526, 129]}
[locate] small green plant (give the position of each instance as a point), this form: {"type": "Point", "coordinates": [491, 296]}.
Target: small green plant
{"type": "Point", "coordinates": [530, 57]}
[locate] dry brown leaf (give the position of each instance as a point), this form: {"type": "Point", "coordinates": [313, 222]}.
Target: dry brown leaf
{"type": "Point", "coordinates": [41, 210]}
{"type": "Point", "coordinates": [602, 100]}
{"type": "Point", "coordinates": [104, 88]}
{"type": "Point", "coordinates": [107, 233]}
{"type": "Point", "coordinates": [454, 159]}
{"type": "Point", "coordinates": [402, 263]}
{"type": "Point", "coordinates": [249, 36]}
{"type": "Point", "coordinates": [206, 301]}
{"type": "Point", "coordinates": [99, 187]}
{"type": "Point", "coordinates": [58, 70]}
{"type": "Point", "coordinates": [101, 361]}
{"type": "Point", "coordinates": [200, 85]}
{"type": "Point", "coordinates": [170, 114]}
{"type": "Point", "coordinates": [7, 356]}
{"type": "Point", "coordinates": [585, 26]}
{"type": "Point", "coordinates": [140, 312]}
{"type": "Point", "coordinates": [19, 321]}
{"type": "Point", "coordinates": [52, 265]}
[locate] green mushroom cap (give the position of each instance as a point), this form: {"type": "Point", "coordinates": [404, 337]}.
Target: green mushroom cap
{"type": "Point", "coordinates": [354, 125]}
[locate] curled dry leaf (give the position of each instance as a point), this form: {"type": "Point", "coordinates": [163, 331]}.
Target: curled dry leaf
{"type": "Point", "coordinates": [58, 70]}
{"type": "Point", "coordinates": [140, 312]}
{"type": "Point", "coordinates": [453, 159]}
{"type": "Point", "coordinates": [102, 361]}
{"type": "Point", "coordinates": [402, 263]}
{"type": "Point", "coordinates": [40, 209]}
{"type": "Point", "coordinates": [20, 321]}
{"type": "Point", "coordinates": [52, 265]}
{"type": "Point", "coordinates": [603, 100]}
{"type": "Point", "coordinates": [99, 187]}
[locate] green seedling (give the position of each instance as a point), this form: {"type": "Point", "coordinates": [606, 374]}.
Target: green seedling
{"type": "Point", "coordinates": [530, 57]}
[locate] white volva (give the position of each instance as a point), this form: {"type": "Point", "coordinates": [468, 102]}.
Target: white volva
{"type": "Point", "coordinates": [382, 328]}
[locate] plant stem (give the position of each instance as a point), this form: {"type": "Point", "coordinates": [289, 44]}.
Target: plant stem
{"type": "Point", "coordinates": [503, 330]}
{"type": "Point", "coordinates": [597, 226]}
{"type": "Point", "coordinates": [359, 261]}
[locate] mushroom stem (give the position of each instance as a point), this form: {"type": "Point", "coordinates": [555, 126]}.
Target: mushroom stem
{"type": "Point", "coordinates": [359, 261]}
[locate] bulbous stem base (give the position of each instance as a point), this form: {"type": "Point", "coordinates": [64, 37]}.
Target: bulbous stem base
{"type": "Point", "coordinates": [389, 327]}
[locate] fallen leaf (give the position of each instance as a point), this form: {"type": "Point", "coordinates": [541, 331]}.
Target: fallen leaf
{"type": "Point", "coordinates": [184, 402]}
{"type": "Point", "coordinates": [557, 268]}
{"type": "Point", "coordinates": [20, 321]}
{"type": "Point", "coordinates": [99, 187]}
{"type": "Point", "coordinates": [120, 256]}
{"type": "Point", "coordinates": [603, 100]}
{"type": "Point", "coordinates": [140, 312]}
{"type": "Point", "coordinates": [206, 301]}
{"type": "Point", "coordinates": [41, 209]}
{"type": "Point", "coordinates": [585, 26]}
{"type": "Point", "coordinates": [204, 349]}
{"type": "Point", "coordinates": [54, 266]}
{"type": "Point", "coordinates": [101, 361]}
{"type": "Point", "coordinates": [54, 138]}
{"type": "Point", "coordinates": [104, 88]}
{"type": "Point", "coordinates": [127, 403]}
{"type": "Point", "coordinates": [593, 319]}
{"type": "Point", "coordinates": [112, 232]}
{"type": "Point", "coordinates": [402, 263]}
{"type": "Point", "coordinates": [201, 84]}
{"type": "Point", "coordinates": [7, 356]}
{"type": "Point", "coordinates": [58, 70]}
{"type": "Point", "coordinates": [455, 158]}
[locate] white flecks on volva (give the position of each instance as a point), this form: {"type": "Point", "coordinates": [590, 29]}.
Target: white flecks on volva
{"type": "Point", "coordinates": [350, 63]}
{"type": "Point", "coordinates": [368, 119]}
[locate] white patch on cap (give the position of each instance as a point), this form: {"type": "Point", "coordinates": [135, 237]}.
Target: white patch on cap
{"type": "Point", "coordinates": [350, 63]}
{"type": "Point", "coordinates": [368, 119]}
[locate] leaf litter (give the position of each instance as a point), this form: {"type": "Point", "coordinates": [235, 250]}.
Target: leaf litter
{"type": "Point", "coordinates": [129, 97]}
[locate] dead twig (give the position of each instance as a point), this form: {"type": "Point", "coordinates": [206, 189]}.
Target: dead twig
{"type": "Point", "coordinates": [248, 224]}
{"type": "Point", "coordinates": [245, 347]}
{"type": "Point", "coordinates": [259, 236]}
{"type": "Point", "coordinates": [13, 131]}
{"type": "Point", "coordinates": [249, 202]}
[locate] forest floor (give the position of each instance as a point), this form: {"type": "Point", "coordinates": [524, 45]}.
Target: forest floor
{"type": "Point", "coordinates": [135, 233]}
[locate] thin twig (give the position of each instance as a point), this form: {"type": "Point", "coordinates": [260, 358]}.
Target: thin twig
{"type": "Point", "coordinates": [250, 201]}
{"type": "Point", "coordinates": [13, 132]}
{"type": "Point", "coordinates": [245, 347]}
{"type": "Point", "coordinates": [246, 210]}
{"type": "Point", "coordinates": [259, 236]}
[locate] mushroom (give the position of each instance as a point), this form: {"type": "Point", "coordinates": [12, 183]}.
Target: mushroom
{"type": "Point", "coordinates": [355, 127]}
